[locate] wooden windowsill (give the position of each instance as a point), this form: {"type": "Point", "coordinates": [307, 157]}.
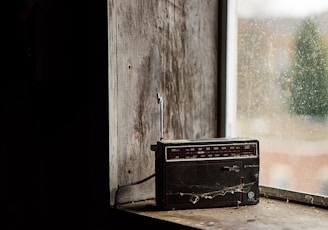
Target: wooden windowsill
{"type": "Point", "coordinates": [268, 214]}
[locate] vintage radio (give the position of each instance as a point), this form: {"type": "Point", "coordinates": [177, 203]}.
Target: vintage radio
{"type": "Point", "coordinates": [206, 173]}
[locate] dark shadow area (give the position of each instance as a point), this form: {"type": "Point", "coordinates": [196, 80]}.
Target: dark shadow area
{"type": "Point", "coordinates": [130, 220]}
{"type": "Point", "coordinates": [54, 106]}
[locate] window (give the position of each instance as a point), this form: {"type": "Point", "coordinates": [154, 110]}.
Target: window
{"type": "Point", "coordinates": [277, 88]}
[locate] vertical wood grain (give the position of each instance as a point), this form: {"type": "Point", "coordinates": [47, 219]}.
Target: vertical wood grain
{"type": "Point", "coordinates": [166, 47]}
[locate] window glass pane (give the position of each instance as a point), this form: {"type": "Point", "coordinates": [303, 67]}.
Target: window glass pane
{"type": "Point", "coordinates": [277, 79]}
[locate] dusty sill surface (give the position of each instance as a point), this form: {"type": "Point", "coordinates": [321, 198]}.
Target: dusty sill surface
{"type": "Point", "coordinates": [268, 214]}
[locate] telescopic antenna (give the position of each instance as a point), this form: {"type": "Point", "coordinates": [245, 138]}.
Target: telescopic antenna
{"type": "Point", "coordinates": [160, 102]}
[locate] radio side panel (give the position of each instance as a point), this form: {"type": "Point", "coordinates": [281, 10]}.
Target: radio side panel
{"type": "Point", "coordinates": [159, 177]}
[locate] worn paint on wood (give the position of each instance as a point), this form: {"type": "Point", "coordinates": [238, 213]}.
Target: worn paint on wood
{"type": "Point", "coordinates": [166, 47]}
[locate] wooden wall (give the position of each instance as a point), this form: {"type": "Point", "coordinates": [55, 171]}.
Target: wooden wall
{"type": "Point", "coordinates": [166, 47]}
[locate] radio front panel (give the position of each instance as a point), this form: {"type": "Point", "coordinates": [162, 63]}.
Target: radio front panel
{"type": "Point", "coordinates": [206, 173]}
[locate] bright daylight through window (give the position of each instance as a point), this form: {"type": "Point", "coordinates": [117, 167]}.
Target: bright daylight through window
{"type": "Point", "coordinates": [277, 88]}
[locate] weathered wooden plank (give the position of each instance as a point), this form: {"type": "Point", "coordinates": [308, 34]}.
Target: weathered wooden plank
{"type": "Point", "coordinates": [166, 47]}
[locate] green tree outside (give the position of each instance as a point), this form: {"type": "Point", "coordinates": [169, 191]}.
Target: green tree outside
{"type": "Point", "coordinates": [309, 78]}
